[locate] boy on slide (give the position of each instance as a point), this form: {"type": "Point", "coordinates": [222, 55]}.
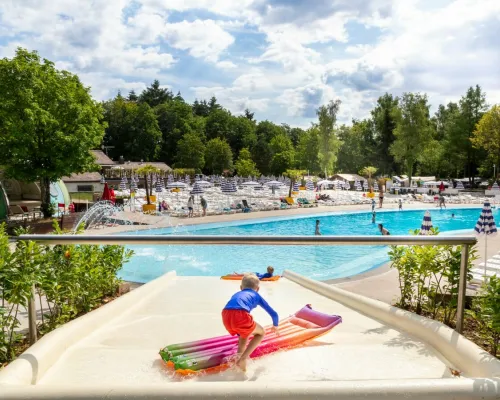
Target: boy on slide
{"type": "Point", "coordinates": [238, 321]}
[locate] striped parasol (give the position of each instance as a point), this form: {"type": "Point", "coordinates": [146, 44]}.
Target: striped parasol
{"type": "Point", "coordinates": [495, 186]}
{"type": "Point", "coordinates": [103, 180]}
{"type": "Point", "coordinates": [158, 187]}
{"type": "Point", "coordinates": [133, 184]}
{"type": "Point", "coordinates": [295, 187]}
{"type": "Point", "coordinates": [425, 229]}
{"type": "Point", "coordinates": [357, 186]}
{"type": "Point", "coordinates": [309, 185]}
{"type": "Point", "coordinates": [347, 185]}
{"type": "Point", "coordinates": [460, 185]}
{"type": "Point", "coordinates": [187, 180]}
{"type": "Point", "coordinates": [375, 186]}
{"type": "Point", "coordinates": [170, 178]}
{"type": "Point", "coordinates": [485, 225]}
{"type": "Point", "coordinates": [365, 185]}
{"type": "Point", "coordinates": [123, 184]}
{"type": "Point", "coordinates": [197, 189]}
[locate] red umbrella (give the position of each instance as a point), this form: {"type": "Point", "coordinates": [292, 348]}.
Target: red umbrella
{"type": "Point", "coordinates": [106, 194]}
{"type": "Point", "coordinates": [441, 187]}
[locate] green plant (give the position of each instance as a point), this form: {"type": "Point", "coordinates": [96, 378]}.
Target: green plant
{"type": "Point", "coordinates": [48, 209]}
{"type": "Point", "coordinates": [73, 279]}
{"type": "Point", "coordinates": [486, 311]}
{"type": "Point", "coordinates": [148, 171]}
{"type": "Point", "coordinates": [429, 278]}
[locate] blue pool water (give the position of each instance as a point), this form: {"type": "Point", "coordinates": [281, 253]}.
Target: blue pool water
{"type": "Point", "coordinates": [317, 262]}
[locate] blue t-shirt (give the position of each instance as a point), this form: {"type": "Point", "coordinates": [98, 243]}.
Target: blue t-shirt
{"type": "Point", "coordinates": [247, 300]}
{"type": "Point", "coordinates": [262, 276]}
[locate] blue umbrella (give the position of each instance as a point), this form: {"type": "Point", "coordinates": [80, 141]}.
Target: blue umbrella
{"type": "Point", "coordinates": [357, 185]}
{"type": "Point", "coordinates": [365, 185]}
{"type": "Point", "coordinates": [486, 225]}
{"type": "Point", "coordinates": [309, 185]}
{"type": "Point", "coordinates": [425, 229]}
{"type": "Point", "coordinates": [295, 187]}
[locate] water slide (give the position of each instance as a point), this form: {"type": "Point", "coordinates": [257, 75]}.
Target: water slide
{"type": "Point", "coordinates": [377, 352]}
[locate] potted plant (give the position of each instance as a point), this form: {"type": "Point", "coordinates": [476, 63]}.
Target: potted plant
{"type": "Point", "coordinates": [146, 172]}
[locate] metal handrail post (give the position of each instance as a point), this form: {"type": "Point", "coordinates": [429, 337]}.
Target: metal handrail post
{"type": "Point", "coordinates": [462, 287]}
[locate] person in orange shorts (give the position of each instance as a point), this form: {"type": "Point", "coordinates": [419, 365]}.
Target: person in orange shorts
{"type": "Point", "coordinates": [238, 321]}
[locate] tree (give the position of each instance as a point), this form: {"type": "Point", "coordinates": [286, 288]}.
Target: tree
{"type": "Point", "coordinates": [244, 165]}
{"type": "Point", "coordinates": [413, 131]}
{"type": "Point", "coordinates": [132, 130]}
{"type": "Point", "coordinates": [241, 134]}
{"type": "Point", "coordinates": [132, 96]}
{"type": "Point", "coordinates": [328, 142]}
{"type": "Point", "coordinates": [190, 152]}
{"type": "Point", "coordinates": [294, 175]}
{"type": "Point", "coordinates": [249, 115]}
{"type": "Point", "coordinates": [385, 124]}
{"type": "Point", "coordinates": [213, 105]}
{"type": "Point", "coordinates": [200, 108]}
{"type": "Point", "coordinates": [218, 156]}
{"type": "Point", "coordinates": [487, 134]}
{"type": "Point", "coordinates": [472, 107]}
{"type": "Point", "coordinates": [48, 122]}
{"type": "Point", "coordinates": [175, 119]}
{"type": "Point", "coordinates": [307, 150]}
{"type": "Point", "coordinates": [218, 124]}
{"type": "Point", "coordinates": [357, 146]}
{"type": "Point", "coordinates": [155, 95]}
{"type": "Point", "coordinates": [147, 172]}
{"type": "Point", "coordinates": [369, 172]}
{"type": "Point", "coordinates": [282, 154]}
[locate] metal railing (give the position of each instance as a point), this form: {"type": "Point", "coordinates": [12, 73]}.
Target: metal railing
{"type": "Point", "coordinates": [464, 241]}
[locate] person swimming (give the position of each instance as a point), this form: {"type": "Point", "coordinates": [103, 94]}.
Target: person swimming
{"type": "Point", "coordinates": [452, 215]}
{"type": "Point", "coordinates": [383, 231]}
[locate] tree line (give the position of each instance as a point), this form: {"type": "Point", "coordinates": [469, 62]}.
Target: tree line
{"type": "Point", "coordinates": [49, 122]}
{"type": "Point", "coordinates": [400, 136]}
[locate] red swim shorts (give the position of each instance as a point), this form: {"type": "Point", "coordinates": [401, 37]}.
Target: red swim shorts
{"type": "Point", "coordinates": [238, 322]}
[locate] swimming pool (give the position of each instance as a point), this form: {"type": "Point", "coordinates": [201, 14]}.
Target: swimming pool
{"type": "Point", "coordinates": [317, 262]}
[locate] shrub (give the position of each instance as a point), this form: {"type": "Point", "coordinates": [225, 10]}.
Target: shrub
{"type": "Point", "coordinates": [74, 279]}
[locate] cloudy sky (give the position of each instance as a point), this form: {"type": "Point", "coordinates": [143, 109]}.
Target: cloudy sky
{"type": "Point", "coordinates": [279, 58]}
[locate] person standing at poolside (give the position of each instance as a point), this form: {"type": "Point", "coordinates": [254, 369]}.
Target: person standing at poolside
{"type": "Point", "coordinates": [373, 204]}
{"type": "Point", "coordinates": [381, 197]}
{"type": "Point", "coordinates": [317, 232]}
{"type": "Point", "coordinates": [400, 203]}
{"type": "Point", "coordinates": [190, 206]}
{"type": "Point", "coordinates": [441, 201]}
{"type": "Point", "coordinates": [204, 205]}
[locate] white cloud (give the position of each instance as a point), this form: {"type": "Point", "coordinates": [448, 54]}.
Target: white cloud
{"type": "Point", "coordinates": [202, 38]}
{"type": "Point", "coordinates": [280, 58]}
{"type": "Point", "coordinates": [226, 64]}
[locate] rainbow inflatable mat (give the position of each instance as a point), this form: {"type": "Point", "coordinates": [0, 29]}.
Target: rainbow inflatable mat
{"type": "Point", "coordinates": [239, 277]}
{"type": "Point", "coordinates": [212, 355]}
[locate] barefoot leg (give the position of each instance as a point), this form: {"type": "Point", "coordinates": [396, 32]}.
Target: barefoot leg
{"type": "Point", "coordinates": [242, 343]}
{"type": "Point", "coordinates": [258, 335]}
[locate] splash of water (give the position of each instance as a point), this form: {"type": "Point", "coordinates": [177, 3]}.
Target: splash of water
{"type": "Point", "coordinates": [102, 213]}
